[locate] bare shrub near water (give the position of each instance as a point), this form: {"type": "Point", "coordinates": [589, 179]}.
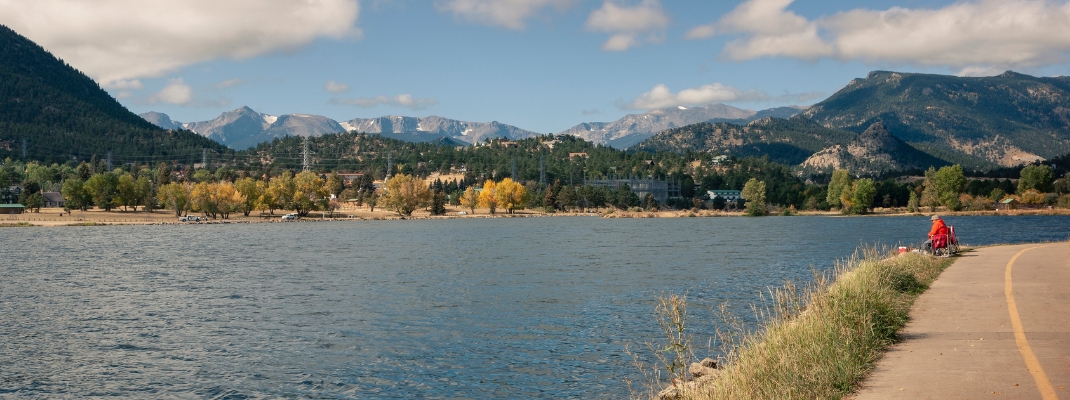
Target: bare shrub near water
{"type": "Point", "coordinates": [674, 355]}
{"type": "Point", "coordinates": [815, 341]}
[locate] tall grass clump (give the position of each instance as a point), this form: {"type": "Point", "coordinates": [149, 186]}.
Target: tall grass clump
{"type": "Point", "coordinates": [820, 340]}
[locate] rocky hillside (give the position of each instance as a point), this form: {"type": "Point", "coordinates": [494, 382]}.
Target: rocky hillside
{"type": "Point", "coordinates": [977, 122]}
{"type": "Point", "coordinates": [634, 128]}
{"type": "Point", "coordinates": [789, 141]}
{"type": "Point", "coordinates": [873, 151]}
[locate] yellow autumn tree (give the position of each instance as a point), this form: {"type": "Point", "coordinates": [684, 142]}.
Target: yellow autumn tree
{"type": "Point", "coordinates": [510, 195]}
{"type": "Point", "coordinates": [253, 190]}
{"type": "Point", "coordinates": [470, 199]}
{"type": "Point", "coordinates": [487, 197]}
{"type": "Point", "coordinates": [1032, 197]}
{"type": "Point", "coordinates": [405, 193]}
{"type": "Point", "coordinates": [280, 192]}
{"type": "Point", "coordinates": [309, 189]}
{"type": "Point", "coordinates": [227, 198]}
{"type": "Point", "coordinates": [217, 199]}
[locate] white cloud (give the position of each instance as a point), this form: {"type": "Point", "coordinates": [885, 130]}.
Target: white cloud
{"type": "Point", "coordinates": [592, 111]}
{"type": "Point", "coordinates": [335, 87]}
{"type": "Point", "coordinates": [230, 83]}
{"type": "Point", "coordinates": [176, 92]}
{"type": "Point", "coordinates": [978, 37]}
{"type": "Point", "coordinates": [511, 14]}
{"type": "Point", "coordinates": [626, 25]}
{"type": "Point", "coordinates": [661, 97]}
{"type": "Point", "coordinates": [401, 100]}
{"type": "Point", "coordinates": [120, 40]}
{"type": "Point", "coordinates": [126, 85]}
{"type": "Point", "coordinates": [979, 71]}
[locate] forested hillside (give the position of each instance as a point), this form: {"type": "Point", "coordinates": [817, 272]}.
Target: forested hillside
{"type": "Point", "coordinates": [788, 141]}
{"type": "Point", "coordinates": [979, 122]}
{"type": "Point", "coordinates": [62, 114]}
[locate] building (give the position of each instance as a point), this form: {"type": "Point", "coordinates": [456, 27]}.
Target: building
{"type": "Point", "coordinates": [727, 195]}
{"type": "Point", "coordinates": [54, 199]}
{"type": "Point", "coordinates": [11, 208]}
{"type": "Point", "coordinates": [661, 190]}
{"type": "Point", "coordinates": [349, 177]}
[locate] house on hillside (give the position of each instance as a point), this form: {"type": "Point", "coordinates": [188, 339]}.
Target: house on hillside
{"type": "Point", "coordinates": [54, 199]}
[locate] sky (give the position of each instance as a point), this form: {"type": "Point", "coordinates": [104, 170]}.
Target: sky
{"type": "Point", "coordinates": [541, 65]}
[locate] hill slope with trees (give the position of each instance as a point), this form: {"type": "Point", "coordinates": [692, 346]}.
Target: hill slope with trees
{"type": "Point", "coordinates": [979, 122]}
{"type": "Point", "coordinates": [62, 114]}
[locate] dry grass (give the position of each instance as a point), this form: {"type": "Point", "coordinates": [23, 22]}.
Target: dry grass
{"type": "Point", "coordinates": [819, 341]}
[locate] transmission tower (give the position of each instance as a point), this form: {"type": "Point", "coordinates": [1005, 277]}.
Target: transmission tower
{"type": "Point", "coordinates": [204, 158]}
{"type": "Point", "coordinates": [306, 156]}
{"type": "Point", "coordinates": [542, 170]}
{"type": "Point", "coordinates": [514, 170]}
{"type": "Point", "coordinates": [109, 161]}
{"type": "Point", "coordinates": [24, 148]}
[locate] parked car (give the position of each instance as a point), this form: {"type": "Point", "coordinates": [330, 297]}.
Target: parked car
{"type": "Point", "coordinates": [190, 218]}
{"type": "Point", "coordinates": [289, 217]}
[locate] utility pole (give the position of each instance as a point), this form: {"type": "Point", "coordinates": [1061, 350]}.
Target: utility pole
{"type": "Point", "coordinates": [23, 148]}
{"type": "Point", "coordinates": [306, 157]}
{"type": "Point", "coordinates": [204, 158]}
{"type": "Point", "coordinates": [109, 161]}
{"type": "Point", "coordinates": [514, 170]}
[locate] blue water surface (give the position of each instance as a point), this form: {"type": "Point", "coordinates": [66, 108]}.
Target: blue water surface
{"type": "Point", "coordinates": [464, 308]}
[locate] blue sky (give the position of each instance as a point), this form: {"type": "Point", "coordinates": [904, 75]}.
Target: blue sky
{"type": "Point", "coordinates": [542, 65]}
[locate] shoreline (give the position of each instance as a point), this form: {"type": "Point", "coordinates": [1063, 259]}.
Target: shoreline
{"type": "Point", "coordinates": [56, 216]}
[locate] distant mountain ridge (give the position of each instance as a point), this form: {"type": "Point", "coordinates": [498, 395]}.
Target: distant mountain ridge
{"type": "Point", "coordinates": [634, 128]}
{"type": "Point", "coordinates": [244, 128]}
{"type": "Point", "coordinates": [434, 127]}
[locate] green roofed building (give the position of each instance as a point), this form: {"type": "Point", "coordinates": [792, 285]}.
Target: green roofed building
{"type": "Point", "coordinates": [11, 208]}
{"type": "Point", "coordinates": [727, 195]}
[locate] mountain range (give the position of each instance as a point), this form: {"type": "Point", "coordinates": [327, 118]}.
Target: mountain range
{"type": "Point", "coordinates": [885, 121]}
{"type": "Point", "coordinates": [244, 128]}
{"type": "Point", "coordinates": [896, 121]}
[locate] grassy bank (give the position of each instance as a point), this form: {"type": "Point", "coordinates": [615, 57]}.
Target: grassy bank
{"type": "Point", "coordinates": [821, 340]}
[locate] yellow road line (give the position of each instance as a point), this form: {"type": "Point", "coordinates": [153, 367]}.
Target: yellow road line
{"type": "Point", "coordinates": [1047, 392]}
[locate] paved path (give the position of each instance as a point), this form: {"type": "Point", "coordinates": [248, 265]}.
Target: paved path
{"type": "Point", "coordinates": [996, 324]}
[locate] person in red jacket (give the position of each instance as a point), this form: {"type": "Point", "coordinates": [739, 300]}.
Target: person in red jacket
{"type": "Point", "coordinates": [939, 228]}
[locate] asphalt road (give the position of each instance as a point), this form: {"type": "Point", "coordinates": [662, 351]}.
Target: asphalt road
{"type": "Point", "coordinates": [995, 324]}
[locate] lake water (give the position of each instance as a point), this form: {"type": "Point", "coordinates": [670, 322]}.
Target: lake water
{"type": "Point", "coordinates": [467, 308]}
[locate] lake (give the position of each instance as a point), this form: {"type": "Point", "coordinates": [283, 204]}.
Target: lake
{"type": "Point", "coordinates": [461, 308]}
